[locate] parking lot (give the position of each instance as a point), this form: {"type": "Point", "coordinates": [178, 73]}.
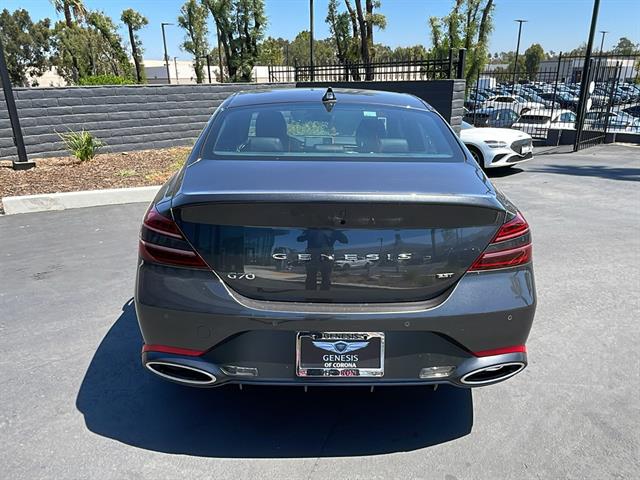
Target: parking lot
{"type": "Point", "coordinates": [76, 402]}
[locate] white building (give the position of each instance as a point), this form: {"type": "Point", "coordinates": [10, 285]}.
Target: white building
{"type": "Point", "coordinates": [181, 72]}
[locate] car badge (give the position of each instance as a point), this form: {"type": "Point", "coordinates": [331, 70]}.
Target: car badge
{"type": "Point", "coordinates": [340, 347]}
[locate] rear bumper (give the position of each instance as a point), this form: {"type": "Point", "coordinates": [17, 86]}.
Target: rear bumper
{"type": "Point", "coordinates": [193, 310]}
{"type": "Point", "coordinates": [401, 370]}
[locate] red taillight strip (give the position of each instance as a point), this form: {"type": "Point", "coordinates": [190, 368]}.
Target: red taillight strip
{"type": "Point", "coordinates": [503, 258]}
{"type": "Point", "coordinates": [175, 350]}
{"type": "Point", "coordinates": [163, 232]}
{"type": "Point", "coordinates": [513, 228]}
{"type": "Point", "coordinates": [157, 222]}
{"type": "Point", "coordinates": [175, 251]}
{"type": "Point", "coordinates": [170, 256]}
{"type": "Point", "coordinates": [511, 246]}
{"type": "Point", "coordinates": [501, 351]}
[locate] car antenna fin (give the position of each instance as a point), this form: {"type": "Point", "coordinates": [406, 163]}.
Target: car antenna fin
{"type": "Point", "coordinates": [329, 99]}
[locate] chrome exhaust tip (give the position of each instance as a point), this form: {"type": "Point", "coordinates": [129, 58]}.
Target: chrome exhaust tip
{"type": "Point", "coordinates": [493, 373]}
{"type": "Point", "coordinates": [181, 373]}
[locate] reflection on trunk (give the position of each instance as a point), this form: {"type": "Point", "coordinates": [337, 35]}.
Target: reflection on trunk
{"type": "Point", "coordinates": [338, 265]}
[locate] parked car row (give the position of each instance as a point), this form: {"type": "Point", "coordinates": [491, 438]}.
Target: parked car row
{"type": "Point", "coordinates": [563, 95]}
{"type": "Point", "coordinates": [535, 107]}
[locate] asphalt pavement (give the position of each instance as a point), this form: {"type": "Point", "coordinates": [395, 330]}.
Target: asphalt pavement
{"type": "Point", "coordinates": [75, 402]}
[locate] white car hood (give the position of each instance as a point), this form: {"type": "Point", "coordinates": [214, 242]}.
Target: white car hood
{"type": "Point", "coordinates": [481, 134]}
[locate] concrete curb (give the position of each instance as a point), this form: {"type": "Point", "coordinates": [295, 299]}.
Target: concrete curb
{"type": "Point", "coordinates": [88, 198]}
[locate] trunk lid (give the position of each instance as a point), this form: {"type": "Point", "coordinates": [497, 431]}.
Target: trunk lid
{"type": "Point", "coordinates": [338, 232]}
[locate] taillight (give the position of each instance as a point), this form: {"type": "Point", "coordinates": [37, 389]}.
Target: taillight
{"type": "Point", "coordinates": [511, 246]}
{"type": "Point", "coordinates": [162, 242]}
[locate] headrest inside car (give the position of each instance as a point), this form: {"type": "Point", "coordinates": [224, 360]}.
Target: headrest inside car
{"type": "Point", "coordinates": [394, 145]}
{"type": "Point", "coordinates": [329, 148]}
{"type": "Point", "coordinates": [264, 144]}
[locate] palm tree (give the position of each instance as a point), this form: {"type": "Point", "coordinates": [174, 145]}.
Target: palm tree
{"type": "Point", "coordinates": [135, 21]}
{"type": "Point", "coordinates": [72, 9]}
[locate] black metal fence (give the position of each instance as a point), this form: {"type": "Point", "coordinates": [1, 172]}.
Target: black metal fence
{"type": "Point", "coordinates": [379, 70]}
{"type": "Point", "coordinates": [549, 98]}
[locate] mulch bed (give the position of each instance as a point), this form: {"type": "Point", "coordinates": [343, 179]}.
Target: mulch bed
{"type": "Point", "coordinates": [107, 170]}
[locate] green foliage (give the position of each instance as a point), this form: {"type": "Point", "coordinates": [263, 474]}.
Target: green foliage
{"type": "Point", "coordinates": [415, 52]}
{"type": "Point", "coordinates": [26, 46]}
{"type": "Point", "coordinates": [579, 50]}
{"type": "Point", "coordinates": [74, 11]}
{"type": "Point", "coordinates": [110, 49]}
{"type": "Point", "coordinates": [106, 79]}
{"type": "Point", "coordinates": [323, 50]}
{"type": "Point", "coordinates": [134, 22]}
{"type": "Point", "coordinates": [87, 44]}
{"type": "Point", "coordinates": [626, 47]}
{"type": "Point", "coordinates": [270, 52]}
{"type": "Point", "coordinates": [240, 25]}
{"type": "Point", "coordinates": [133, 19]}
{"type": "Point", "coordinates": [310, 128]}
{"type": "Point", "coordinates": [362, 24]}
{"type": "Point", "coordinates": [532, 58]}
{"type": "Point", "coordinates": [468, 25]}
{"type": "Point", "coordinates": [341, 34]}
{"type": "Point", "coordinates": [194, 21]}
{"type": "Point", "coordinates": [82, 145]}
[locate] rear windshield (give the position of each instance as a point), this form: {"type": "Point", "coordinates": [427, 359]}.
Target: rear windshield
{"type": "Point", "coordinates": [347, 131]}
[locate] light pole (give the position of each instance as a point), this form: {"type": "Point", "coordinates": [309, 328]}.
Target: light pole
{"type": "Point", "coordinates": [175, 63]}
{"type": "Point", "coordinates": [23, 162]}
{"type": "Point", "coordinates": [311, 37]}
{"type": "Point", "coordinates": [219, 54]}
{"type": "Point", "coordinates": [207, 57]}
{"type": "Point", "coordinates": [603, 32]}
{"type": "Point", "coordinates": [166, 56]}
{"type": "Point", "coordinates": [515, 67]}
{"type": "Point", "coordinates": [585, 77]}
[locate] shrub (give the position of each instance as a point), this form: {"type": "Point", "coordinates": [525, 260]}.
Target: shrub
{"type": "Point", "coordinates": [83, 145]}
{"type": "Point", "coordinates": [105, 80]}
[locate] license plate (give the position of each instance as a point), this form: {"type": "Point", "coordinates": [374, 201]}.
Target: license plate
{"type": "Point", "coordinates": [340, 354]}
{"type": "Point", "coordinates": [527, 149]}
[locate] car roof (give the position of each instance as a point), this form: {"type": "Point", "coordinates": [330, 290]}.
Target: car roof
{"type": "Point", "coordinates": [537, 112]}
{"type": "Point", "coordinates": [490, 110]}
{"type": "Point", "coordinates": [290, 95]}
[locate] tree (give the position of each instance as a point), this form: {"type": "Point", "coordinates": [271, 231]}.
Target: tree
{"type": "Point", "coordinates": [74, 12]}
{"type": "Point", "coordinates": [240, 25]}
{"type": "Point", "coordinates": [625, 47]}
{"type": "Point", "coordinates": [366, 20]}
{"type": "Point", "coordinates": [344, 28]}
{"type": "Point", "coordinates": [26, 45]}
{"type": "Point", "coordinates": [435, 25]}
{"type": "Point", "coordinates": [415, 52]}
{"type": "Point", "coordinates": [134, 22]}
{"type": "Point", "coordinates": [532, 58]}
{"type": "Point", "coordinates": [194, 21]}
{"type": "Point", "coordinates": [270, 52]}
{"type": "Point", "coordinates": [90, 47]}
{"type": "Point", "coordinates": [299, 50]}
{"type": "Point", "coordinates": [467, 26]}
{"type": "Point", "coordinates": [340, 29]}
{"type": "Point", "coordinates": [109, 49]}
{"type": "Point", "coordinates": [579, 50]}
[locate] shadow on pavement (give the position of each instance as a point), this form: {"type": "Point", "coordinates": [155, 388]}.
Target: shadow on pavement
{"type": "Point", "coordinates": [122, 401]}
{"type": "Point", "coordinates": [601, 171]}
{"type": "Point", "coordinates": [502, 172]}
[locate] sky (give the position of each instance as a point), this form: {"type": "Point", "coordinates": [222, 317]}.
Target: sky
{"type": "Point", "coordinates": [558, 25]}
